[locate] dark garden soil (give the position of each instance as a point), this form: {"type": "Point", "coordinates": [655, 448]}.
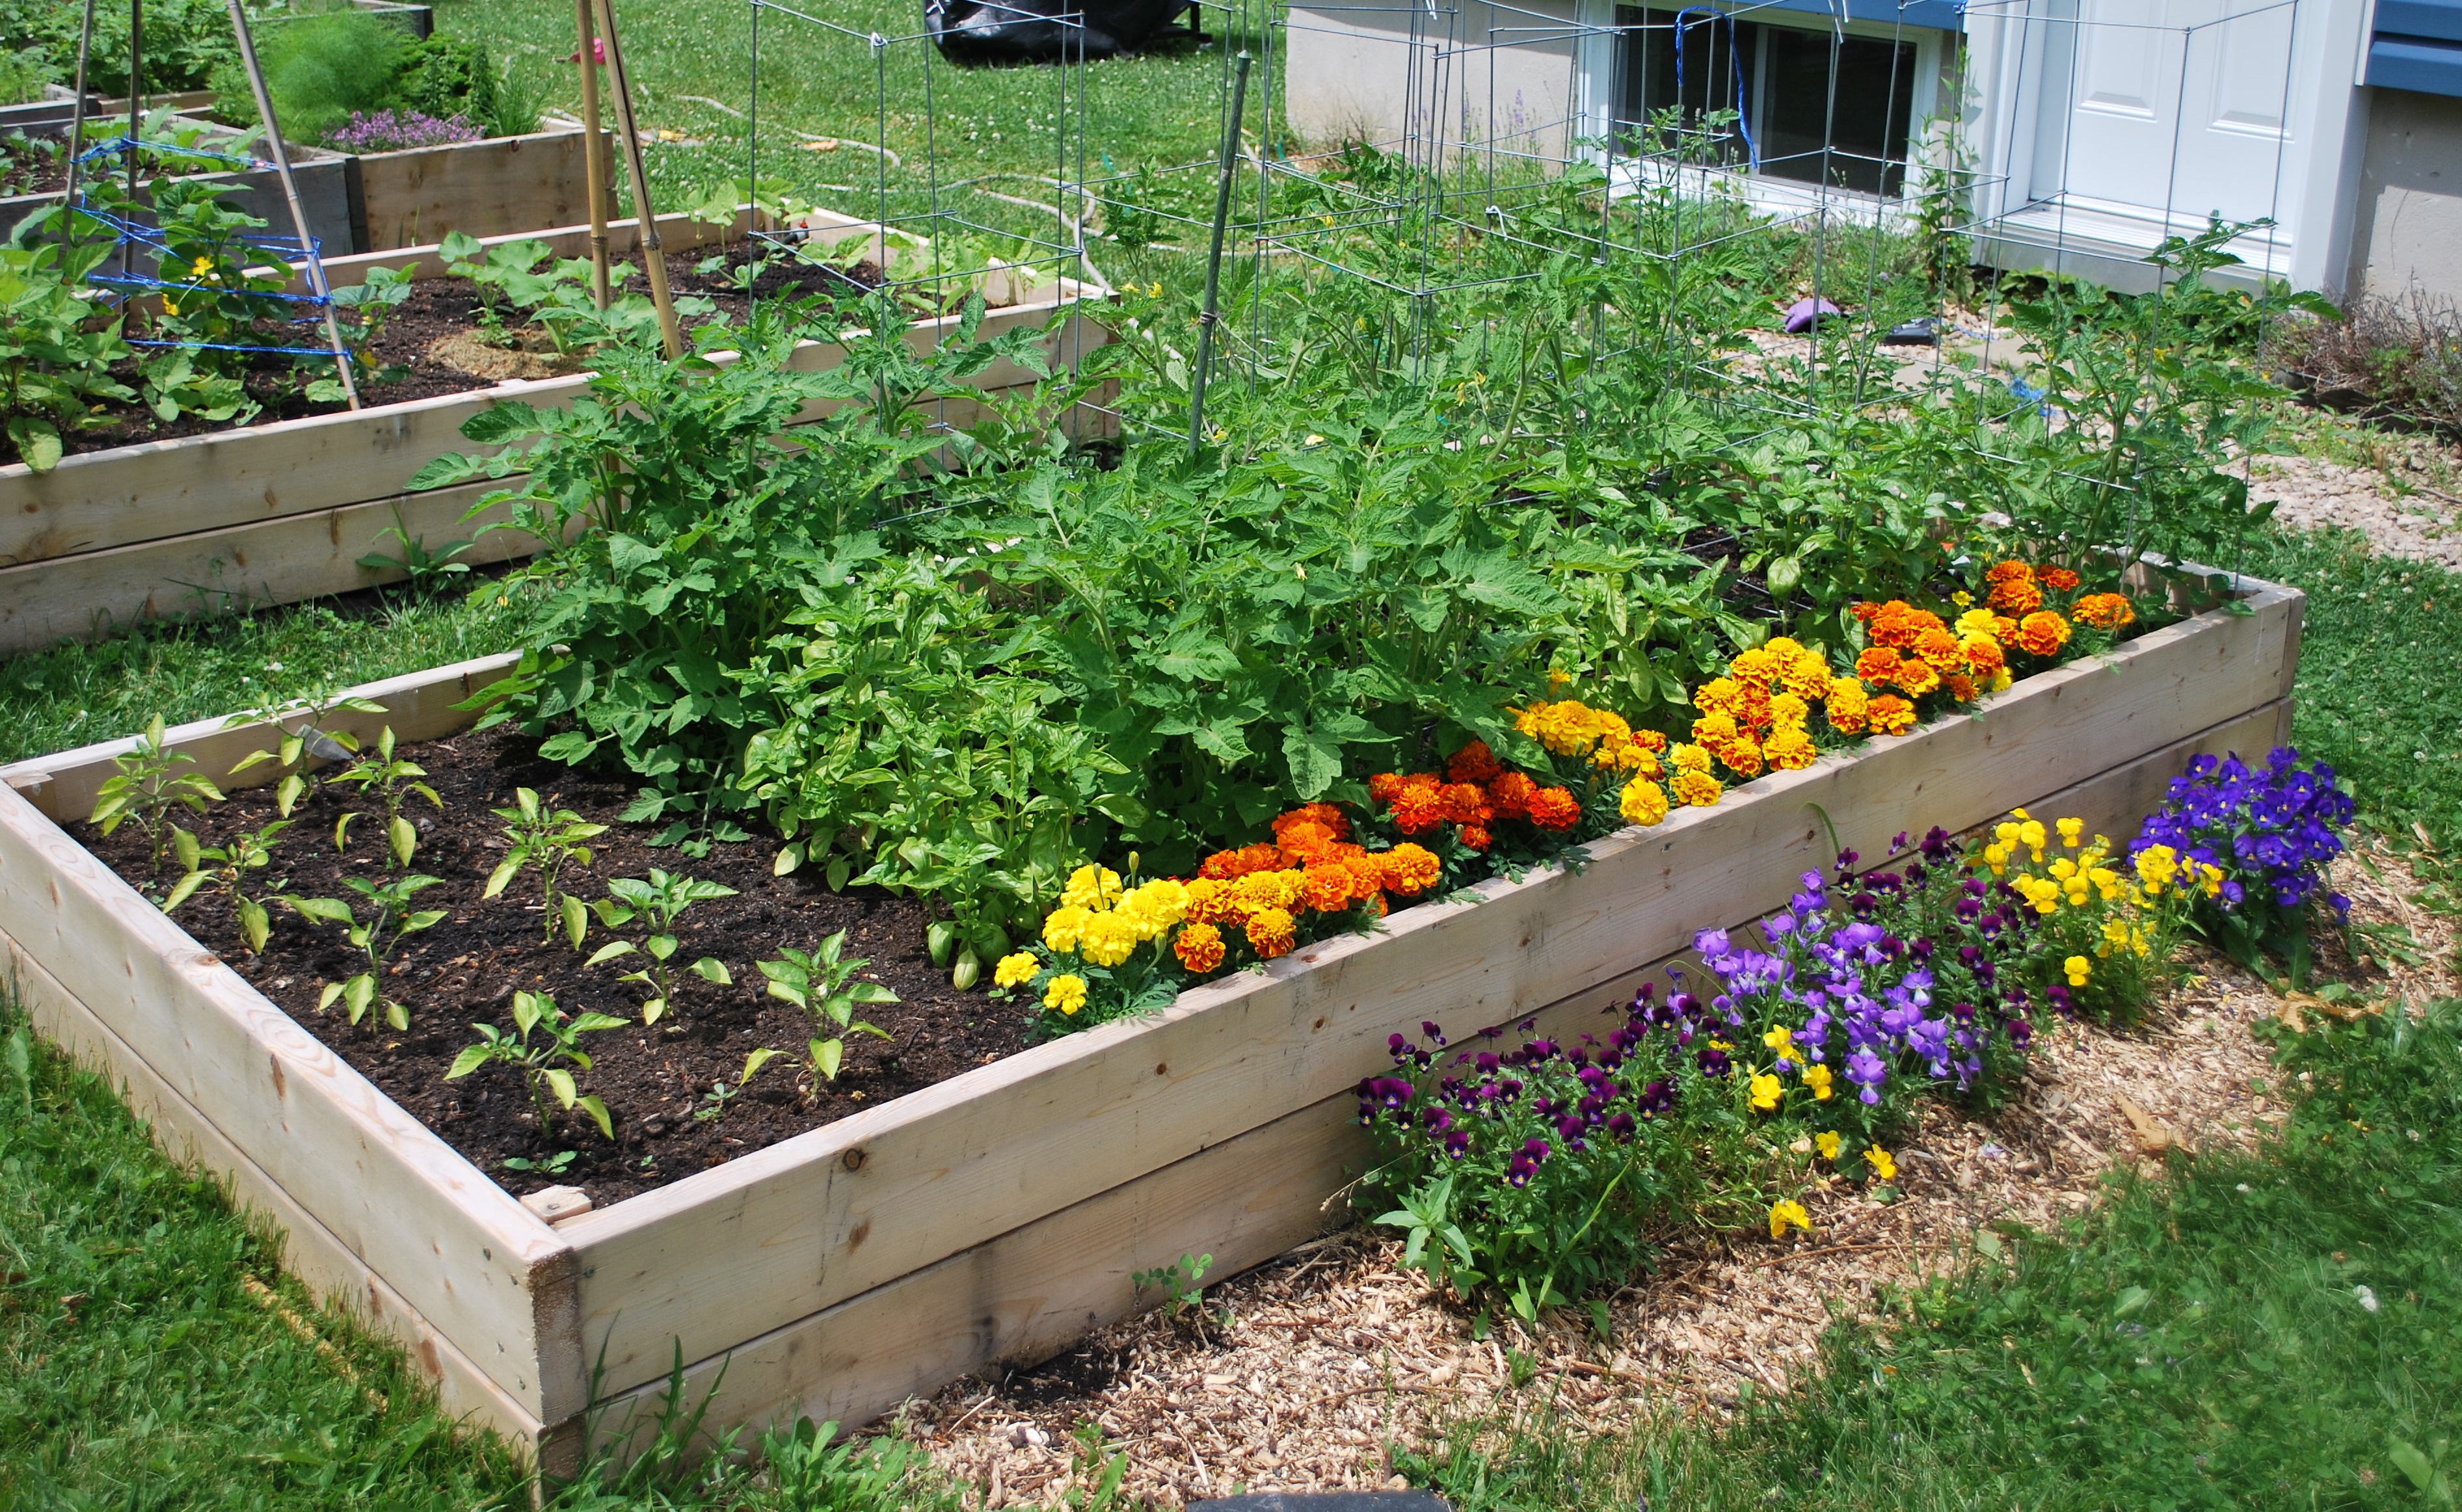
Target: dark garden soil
{"type": "Point", "coordinates": [30, 169]}
{"type": "Point", "coordinates": [466, 968]}
{"type": "Point", "coordinates": [439, 309]}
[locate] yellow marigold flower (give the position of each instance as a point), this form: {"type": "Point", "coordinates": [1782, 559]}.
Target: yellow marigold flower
{"type": "Point", "coordinates": [1789, 708]}
{"type": "Point", "coordinates": [1827, 1141]}
{"type": "Point", "coordinates": [1717, 696]}
{"type": "Point", "coordinates": [1978, 622]}
{"type": "Point", "coordinates": [1785, 1216]}
{"type": "Point", "coordinates": [1065, 993]}
{"type": "Point", "coordinates": [1766, 1091]}
{"type": "Point", "coordinates": [1200, 947]}
{"type": "Point", "coordinates": [1818, 1078]}
{"type": "Point", "coordinates": [2071, 829]}
{"type": "Point", "coordinates": [1790, 750]}
{"type": "Point", "coordinates": [1271, 933]}
{"type": "Point", "coordinates": [1091, 887]}
{"type": "Point", "coordinates": [1695, 789]}
{"type": "Point", "coordinates": [1691, 757]}
{"type": "Point", "coordinates": [1107, 939]}
{"type": "Point", "coordinates": [1757, 664]}
{"type": "Point", "coordinates": [1062, 929]}
{"type": "Point", "coordinates": [2001, 680]}
{"type": "Point", "coordinates": [2076, 967]}
{"type": "Point", "coordinates": [1884, 1165]}
{"type": "Point", "coordinates": [1015, 971]}
{"type": "Point", "coordinates": [1644, 802]}
{"type": "Point", "coordinates": [1849, 706]}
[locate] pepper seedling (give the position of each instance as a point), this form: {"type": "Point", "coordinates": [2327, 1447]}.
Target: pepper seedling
{"type": "Point", "coordinates": [548, 840]}
{"type": "Point", "coordinates": [225, 868]}
{"type": "Point", "coordinates": [394, 780]}
{"type": "Point", "coordinates": [389, 921]}
{"type": "Point", "coordinates": [310, 739]}
{"type": "Point", "coordinates": [824, 985]}
{"type": "Point", "coordinates": [661, 900]}
{"type": "Point", "coordinates": [714, 1102]}
{"type": "Point", "coordinates": [147, 787]}
{"type": "Point", "coordinates": [544, 1064]}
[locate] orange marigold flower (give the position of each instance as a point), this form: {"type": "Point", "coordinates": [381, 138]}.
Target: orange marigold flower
{"type": "Point", "coordinates": [1743, 756]}
{"type": "Point", "coordinates": [2106, 611]}
{"type": "Point", "coordinates": [1271, 933]}
{"type": "Point", "coordinates": [1473, 762]}
{"type": "Point", "coordinates": [1416, 809]}
{"type": "Point", "coordinates": [1327, 889]}
{"type": "Point", "coordinates": [1304, 841]}
{"type": "Point", "coordinates": [1475, 837]}
{"type": "Point", "coordinates": [1410, 869]}
{"type": "Point", "coordinates": [1555, 809]}
{"type": "Point", "coordinates": [2042, 635]}
{"type": "Point", "coordinates": [1940, 648]}
{"type": "Point", "coordinates": [1382, 786]}
{"type": "Point", "coordinates": [1961, 687]}
{"type": "Point", "coordinates": [1847, 706]}
{"type": "Point", "coordinates": [1465, 802]}
{"type": "Point", "coordinates": [1510, 794]}
{"type": "Point", "coordinates": [1865, 610]}
{"type": "Point", "coordinates": [1983, 654]}
{"type": "Point", "coordinates": [1890, 715]}
{"type": "Point", "coordinates": [1199, 947]}
{"type": "Point", "coordinates": [1329, 815]}
{"type": "Point", "coordinates": [1649, 740]}
{"type": "Point", "coordinates": [2004, 629]}
{"type": "Point", "coordinates": [2060, 578]}
{"type": "Point", "coordinates": [1210, 901]}
{"type": "Point", "coordinates": [1878, 665]}
{"type": "Point", "coordinates": [2017, 596]}
{"type": "Point", "coordinates": [1918, 677]}
{"type": "Point", "coordinates": [2012, 571]}
{"type": "Point", "coordinates": [1231, 865]}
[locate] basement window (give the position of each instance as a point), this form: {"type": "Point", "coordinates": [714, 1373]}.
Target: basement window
{"type": "Point", "coordinates": [1757, 95]}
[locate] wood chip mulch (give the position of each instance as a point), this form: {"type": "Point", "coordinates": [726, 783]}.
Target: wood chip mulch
{"type": "Point", "coordinates": [1332, 1354]}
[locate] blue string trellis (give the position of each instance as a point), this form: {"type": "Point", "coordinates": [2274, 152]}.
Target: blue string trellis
{"type": "Point", "coordinates": [136, 242]}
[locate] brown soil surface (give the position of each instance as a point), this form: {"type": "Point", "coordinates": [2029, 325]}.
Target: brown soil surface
{"type": "Point", "coordinates": [433, 339]}
{"type": "Point", "coordinates": [466, 968]}
{"type": "Point", "coordinates": [1310, 1369]}
{"type": "Point", "coordinates": [31, 171]}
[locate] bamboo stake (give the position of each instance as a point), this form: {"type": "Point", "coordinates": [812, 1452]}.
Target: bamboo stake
{"type": "Point", "coordinates": [653, 258]}
{"type": "Point", "coordinates": [594, 150]}
{"type": "Point", "coordinates": [291, 193]}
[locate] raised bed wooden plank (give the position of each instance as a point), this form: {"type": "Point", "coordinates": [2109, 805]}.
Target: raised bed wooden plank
{"type": "Point", "coordinates": [95, 501]}
{"type": "Point", "coordinates": [732, 1253]}
{"type": "Point", "coordinates": [465, 1254]}
{"type": "Point", "coordinates": [1026, 1295]}
{"type": "Point", "coordinates": [418, 706]}
{"type": "Point", "coordinates": [1020, 1298]}
{"type": "Point", "coordinates": [479, 189]}
{"type": "Point", "coordinates": [309, 1250]}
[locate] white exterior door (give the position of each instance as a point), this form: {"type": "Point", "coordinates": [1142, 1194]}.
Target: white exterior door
{"type": "Point", "coordinates": [2174, 110]}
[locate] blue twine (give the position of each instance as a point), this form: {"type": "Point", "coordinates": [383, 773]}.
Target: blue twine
{"type": "Point", "coordinates": [121, 144]}
{"type": "Point", "coordinates": [326, 352]}
{"type": "Point", "coordinates": [136, 282]}
{"type": "Point", "coordinates": [1735, 66]}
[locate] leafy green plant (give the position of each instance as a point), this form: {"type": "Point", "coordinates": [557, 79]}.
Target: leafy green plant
{"type": "Point", "coordinates": [428, 570]}
{"type": "Point", "coordinates": [662, 900]}
{"type": "Point", "coordinates": [146, 786]}
{"type": "Point", "coordinates": [376, 298]}
{"type": "Point", "coordinates": [225, 868]}
{"type": "Point", "coordinates": [720, 1097]}
{"type": "Point", "coordinates": [56, 353]}
{"type": "Point", "coordinates": [393, 779]}
{"type": "Point", "coordinates": [823, 985]}
{"type": "Point", "coordinates": [1183, 1282]}
{"type": "Point", "coordinates": [319, 68]}
{"type": "Point", "coordinates": [387, 922]}
{"type": "Point", "coordinates": [310, 739]}
{"type": "Point", "coordinates": [547, 1063]}
{"type": "Point", "coordinates": [546, 840]}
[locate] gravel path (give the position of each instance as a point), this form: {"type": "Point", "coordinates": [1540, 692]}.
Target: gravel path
{"type": "Point", "coordinates": [2311, 491]}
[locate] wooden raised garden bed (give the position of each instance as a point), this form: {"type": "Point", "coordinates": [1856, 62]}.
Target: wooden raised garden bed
{"type": "Point", "coordinates": [280, 511]}
{"type": "Point", "coordinates": [1000, 1214]}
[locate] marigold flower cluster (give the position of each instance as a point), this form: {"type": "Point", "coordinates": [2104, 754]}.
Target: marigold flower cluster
{"type": "Point", "coordinates": [1259, 894]}
{"type": "Point", "coordinates": [1754, 717]}
{"type": "Point", "coordinates": [1476, 791]}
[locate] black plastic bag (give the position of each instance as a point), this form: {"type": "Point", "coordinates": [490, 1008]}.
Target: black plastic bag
{"type": "Point", "coordinates": [1041, 30]}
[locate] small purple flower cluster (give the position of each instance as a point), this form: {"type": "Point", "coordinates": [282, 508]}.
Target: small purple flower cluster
{"type": "Point", "coordinates": [2271, 830]}
{"type": "Point", "coordinates": [1583, 1093]}
{"type": "Point", "coordinates": [1888, 977]}
{"type": "Point", "coordinates": [399, 131]}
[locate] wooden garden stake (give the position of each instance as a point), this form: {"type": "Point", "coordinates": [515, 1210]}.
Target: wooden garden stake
{"type": "Point", "coordinates": [593, 148]}
{"type": "Point", "coordinates": [654, 260]}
